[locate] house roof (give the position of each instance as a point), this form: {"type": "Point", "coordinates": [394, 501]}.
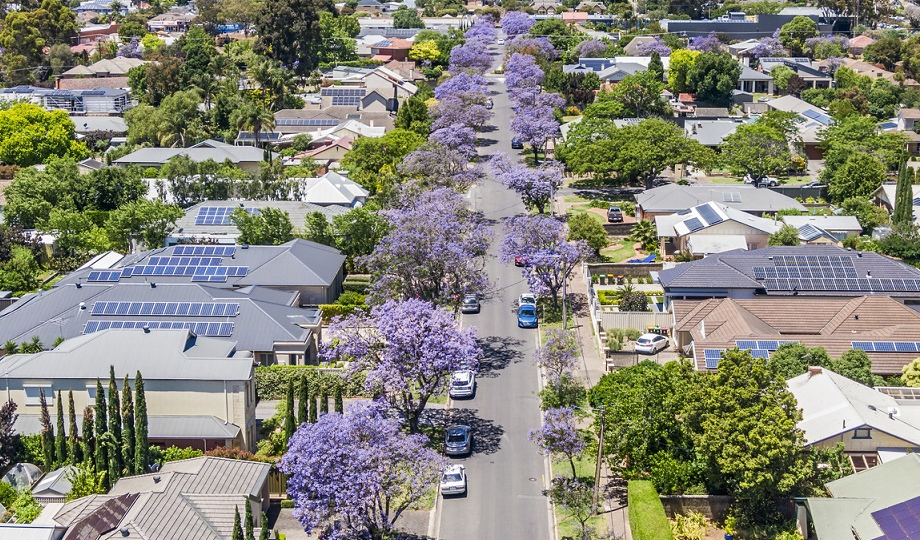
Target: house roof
{"type": "Point", "coordinates": [748, 74]}
{"type": "Point", "coordinates": [712, 132]}
{"type": "Point", "coordinates": [109, 67]}
{"type": "Point", "coordinates": [717, 214]}
{"type": "Point", "coordinates": [861, 42]}
{"type": "Point", "coordinates": [827, 223]}
{"type": "Point", "coordinates": [705, 244]}
{"type": "Point", "coordinates": [158, 354]}
{"type": "Point", "coordinates": [86, 124]}
{"type": "Point", "coordinates": [909, 114]}
{"type": "Point", "coordinates": [200, 494]}
{"type": "Point", "coordinates": [194, 427]}
{"type": "Point", "coordinates": [832, 323]}
{"type": "Point", "coordinates": [203, 151]}
{"type": "Point", "coordinates": [297, 211]}
{"type": "Point", "coordinates": [672, 198]}
{"type": "Point", "coordinates": [53, 484]}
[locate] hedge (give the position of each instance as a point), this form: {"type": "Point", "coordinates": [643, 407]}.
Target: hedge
{"type": "Point", "coordinates": [272, 381]}
{"type": "Point", "coordinates": [357, 286]}
{"type": "Point", "coordinates": [647, 520]}
{"type": "Point", "coordinates": [336, 310]}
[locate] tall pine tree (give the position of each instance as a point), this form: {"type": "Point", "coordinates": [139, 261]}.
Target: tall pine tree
{"type": "Point", "coordinates": [313, 403]}
{"type": "Point", "coordinates": [247, 523]}
{"type": "Point", "coordinates": [339, 402]}
{"type": "Point", "coordinates": [237, 530]}
{"type": "Point", "coordinates": [47, 431]}
{"type": "Point", "coordinates": [89, 441]}
{"type": "Point", "coordinates": [60, 442]}
{"type": "Point", "coordinates": [263, 533]}
{"type": "Point", "coordinates": [324, 401]}
{"type": "Point", "coordinates": [303, 398]}
{"type": "Point", "coordinates": [99, 428]}
{"type": "Point", "coordinates": [289, 412]}
{"type": "Point", "coordinates": [127, 419]}
{"type": "Point", "coordinates": [114, 424]}
{"type": "Point", "coordinates": [74, 453]}
{"type": "Point", "coordinates": [140, 422]}
{"type": "Point", "coordinates": [904, 195]}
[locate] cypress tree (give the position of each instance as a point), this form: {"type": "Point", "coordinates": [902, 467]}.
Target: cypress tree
{"type": "Point", "coordinates": [339, 402]}
{"type": "Point", "coordinates": [904, 194]}
{"type": "Point", "coordinates": [60, 446]}
{"type": "Point", "coordinates": [113, 452]}
{"type": "Point", "coordinates": [127, 418]}
{"type": "Point", "coordinates": [140, 422]}
{"type": "Point", "coordinates": [324, 402]}
{"type": "Point", "coordinates": [74, 441]}
{"type": "Point", "coordinates": [89, 441]}
{"type": "Point", "coordinates": [263, 534]}
{"type": "Point", "coordinates": [248, 521]}
{"type": "Point", "coordinates": [100, 427]}
{"type": "Point", "coordinates": [237, 530]}
{"type": "Point", "coordinates": [313, 408]}
{"type": "Point", "coordinates": [114, 424]}
{"type": "Point", "coordinates": [656, 65]}
{"type": "Point", "coordinates": [303, 397]}
{"type": "Point", "coordinates": [47, 432]}
{"type": "Point", "coordinates": [289, 411]}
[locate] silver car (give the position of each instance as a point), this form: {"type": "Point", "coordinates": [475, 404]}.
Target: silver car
{"type": "Point", "coordinates": [458, 441]}
{"type": "Point", "coordinates": [470, 304]}
{"type": "Point", "coordinates": [462, 384]}
{"type": "Point", "coordinates": [453, 480]}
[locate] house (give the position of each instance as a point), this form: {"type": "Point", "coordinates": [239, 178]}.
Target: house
{"type": "Point", "coordinates": [388, 83]}
{"type": "Point", "coordinates": [880, 503]}
{"type": "Point", "coordinates": [390, 49]}
{"type": "Point", "coordinates": [755, 81]}
{"type": "Point", "coordinates": [812, 121]}
{"type": "Point", "coordinates": [247, 158]}
{"type": "Point", "coordinates": [407, 71]}
{"type": "Point", "coordinates": [202, 494]}
{"type": "Point", "coordinates": [673, 198]}
{"type": "Point", "coordinates": [112, 73]}
{"type": "Point", "coordinates": [53, 487]}
{"type": "Point", "coordinates": [858, 45]}
{"type": "Point", "coordinates": [200, 390]}
{"type": "Point", "coordinates": [806, 69]}
{"type": "Point", "coordinates": [712, 228]}
{"type": "Point", "coordinates": [738, 26]}
{"type": "Point", "coordinates": [836, 227]}
{"type": "Point", "coordinates": [112, 101]}
{"type": "Point", "coordinates": [114, 125]}
{"type": "Point", "coordinates": [874, 72]}
{"type": "Point", "coordinates": [171, 21]}
{"type": "Point", "coordinates": [573, 18]}
{"type": "Point", "coordinates": [885, 196]}
{"type": "Point", "coordinates": [324, 154]}
{"type": "Point", "coordinates": [742, 50]}
{"type": "Point", "coordinates": [546, 7]}
{"type": "Point", "coordinates": [907, 118]}
{"type": "Point", "coordinates": [823, 271]}
{"type": "Point", "coordinates": [612, 70]}
{"type": "Point", "coordinates": [873, 426]}
{"type": "Point", "coordinates": [94, 33]}
{"type": "Point", "coordinates": [591, 7]}
{"type": "Point", "coordinates": [369, 6]}
{"type": "Point", "coordinates": [632, 48]}
{"type": "Point", "coordinates": [703, 329]}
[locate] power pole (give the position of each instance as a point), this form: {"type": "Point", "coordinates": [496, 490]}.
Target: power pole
{"type": "Point", "coordinates": [600, 452]}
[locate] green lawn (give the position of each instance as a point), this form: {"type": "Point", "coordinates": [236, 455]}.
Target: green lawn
{"type": "Point", "coordinates": [619, 255]}
{"type": "Point", "coordinates": [585, 209]}
{"type": "Point", "coordinates": [569, 527]}
{"type": "Point", "coordinates": [724, 180]}
{"type": "Point", "coordinates": [647, 519]}
{"type": "Point", "coordinates": [574, 199]}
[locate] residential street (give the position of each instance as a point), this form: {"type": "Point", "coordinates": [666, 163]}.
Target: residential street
{"type": "Point", "coordinates": [506, 474]}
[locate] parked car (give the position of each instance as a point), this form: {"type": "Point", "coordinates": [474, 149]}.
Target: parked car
{"type": "Point", "coordinates": [651, 343]}
{"type": "Point", "coordinates": [763, 181]}
{"type": "Point", "coordinates": [527, 299]}
{"type": "Point", "coordinates": [470, 304]}
{"type": "Point", "coordinates": [462, 383]}
{"type": "Point", "coordinates": [458, 441]}
{"type": "Point", "coordinates": [500, 41]}
{"type": "Point", "coordinates": [517, 143]}
{"type": "Point", "coordinates": [453, 480]}
{"type": "Point", "coordinates": [527, 316]}
{"type": "Point", "coordinates": [614, 214]}
{"type": "Point", "coordinates": [490, 103]}
{"type": "Point", "coordinates": [813, 184]}
{"type": "Point", "coordinates": [520, 260]}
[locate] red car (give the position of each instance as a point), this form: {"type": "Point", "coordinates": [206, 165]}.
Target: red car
{"type": "Point", "coordinates": [520, 260]}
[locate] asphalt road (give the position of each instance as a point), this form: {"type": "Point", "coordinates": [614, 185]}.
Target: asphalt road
{"type": "Point", "coordinates": [505, 473]}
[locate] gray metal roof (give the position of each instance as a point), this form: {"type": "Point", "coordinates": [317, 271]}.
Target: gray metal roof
{"type": "Point", "coordinates": [264, 318]}
{"type": "Point", "coordinates": [158, 354]}
{"type": "Point", "coordinates": [675, 197]}
{"type": "Point", "coordinates": [158, 427]}
{"type": "Point", "coordinates": [186, 226]}
{"type": "Point", "coordinates": [203, 151]}
{"type": "Point", "coordinates": [54, 483]}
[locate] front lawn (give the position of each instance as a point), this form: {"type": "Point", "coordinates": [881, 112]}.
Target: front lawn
{"type": "Point", "coordinates": [625, 252]}
{"type": "Point", "coordinates": [585, 209]}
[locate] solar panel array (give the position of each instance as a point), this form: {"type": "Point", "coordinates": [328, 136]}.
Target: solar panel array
{"type": "Point", "coordinates": [817, 116]}
{"type": "Point", "coordinates": [709, 214]}
{"type": "Point", "coordinates": [887, 346]}
{"type": "Point", "coordinates": [346, 101]}
{"type": "Point", "coordinates": [343, 92]}
{"type": "Point", "coordinates": [834, 261]}
{"type": "Point", "coordinates": [712, 357]}
{"type": "Point", "coordinates": [219, 215]}
{"type": "Point", "coordinates": [219, 251]}
{"type": "Point", "coordinates": [900, 521]}
{"type": "Point", "coordinates": [104, 275]}
{"type": "Point", "coordinates": [845, 285]}
{"type": "Point", "coordinates": [806, 272]}
{"type": "Point", "coordinates": [198, 273]}
{"type": "Point", "coordinates": [308, 122]}
{"type": "Point", "coordinates": [731, 197]}
{"type": "Point", "coordinates": [167, 309]}
{"type": "Point", "coordinates": [694, 224]}
{"type": "Point", "coordinates": [200, 328]}
{"type": "Point", "coordinates": [184, 261]}
{"type": "Point", "coordinates": [809, 232]}
{"type": "Point", "coordinates": [762, 348]}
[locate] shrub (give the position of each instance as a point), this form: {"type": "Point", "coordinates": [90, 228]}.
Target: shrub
{"type": "Point", "coordinates": [647, 519]}
{"type": "Point", "coordinates": [331, 311]}
{"type": "Point", "coordinates": [25, 507]}
{"type": "Point", "coordinates": [350, 298]}
{"type": "Point", "coordinates": [690, 527]}
{"type": "Point", "coordinates": [232, 452]}
{"type": "Point", "coordinates": [271, 381]}
{"type": "Point", "coordinates": [613, 344]}
{"type": "Point", "coordinates": [572, 111]}
{"type": "Point", "coordinates": [356, 286]}
{"type": "Point", "coordinates": [8, 494]}
{"type": "Point", "coordinates": [174, 453]}
{"type": "Point", "coordinates": [634, 302]}
{"type": "Point", "coordinates": [287, 503]}
{"type": "Point", "coordinates": [632, 334]}
{"type": "Point", "coordinates": [619, 333]}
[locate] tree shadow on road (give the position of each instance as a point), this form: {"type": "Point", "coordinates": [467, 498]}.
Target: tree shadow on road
{"type": "Point", "coordinates": [487, 434]}
{"type": "Point", "coordinates": [482, 141]}
{"type": "Point", "coordinates": [615, 490]}
{"type": "Point", "coordinates": [497, 354]}
{"type": "Point", "coordinates": [578, 303]}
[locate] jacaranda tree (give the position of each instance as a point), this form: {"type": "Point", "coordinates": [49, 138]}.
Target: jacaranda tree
{"type": "Point", "coordinates": [406, 350]}
{"type": "Point", "coordinates": [353, 475]}
{"type": "Point", "coordinates": [559, 437]}
{"type": "Point", "coordinates": [535, 186]}
{"type": "Point", "coordinates": [516, 23]}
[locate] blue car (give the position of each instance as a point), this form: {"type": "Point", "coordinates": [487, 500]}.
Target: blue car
{"type": "Point", "coordinates": [527, 316]}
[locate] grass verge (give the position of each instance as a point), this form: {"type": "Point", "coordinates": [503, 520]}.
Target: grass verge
{"type": "Point", "coordinates": [647, 520]}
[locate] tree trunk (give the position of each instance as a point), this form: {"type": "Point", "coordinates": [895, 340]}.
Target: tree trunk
{"type": "Point", "coordinates": [572, 463]}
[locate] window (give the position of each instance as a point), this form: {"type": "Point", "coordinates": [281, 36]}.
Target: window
{"type": "Point", "coordinates": [862, 433]}
{"type": "Point", "coordinates": [862, 462]}
{"type": "Point", "coordinates": [33, 396]}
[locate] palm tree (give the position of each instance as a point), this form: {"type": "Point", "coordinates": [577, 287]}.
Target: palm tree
{"type": "Point", "coordinates": [273, 80]}
{"type": "Point", "coordinates": [254, 117]}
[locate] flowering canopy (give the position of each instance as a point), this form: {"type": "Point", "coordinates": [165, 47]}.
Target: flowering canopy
{"type": "Point", "coordinates": [559, 437]}
{"type": "Point", "coordinates": [707, 43]}
{"type": "Point", "coordinates": [768, 47]}
{"type": "Point", "coordinates": [483, 29]}
{"type": "Point", "coordinates": [472, 56]}
{"type": "Point", "coordinates": [535, 186]}
{"type": "Point", "coordinates": [435, 165]}
{"type": "Point", "coordinates": [515, 23]}
{"type": "Point", "coordinates": [522, 75]}
{"type": "Point", "coordinates": [655, 45]}
{"type": "Point", "coordinates": [591, 48]}
{"type": "Point", "coordinates": [540, 47]}
{"type": "Point", "coordinates": [456, 137]}
{"type": "Point", "coordinates": [557, 356]}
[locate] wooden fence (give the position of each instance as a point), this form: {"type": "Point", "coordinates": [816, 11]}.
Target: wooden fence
{"type": "Point", "coordinates": [639, 320]}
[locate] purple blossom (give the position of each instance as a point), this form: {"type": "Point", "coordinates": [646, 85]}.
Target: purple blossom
{"type": "Point", "coordinates": [655, 45]}
{"type": "Point", "coordinates": [539, 47]}
{"type": "Point", "coordinates": [354, 475]}
{"type": "Point", "coordinates": [768, 47]}
{"type": "Point", "coordinates": [522, 74]}
{"type": "Point", "coordinates": [542, 240]}
{"type": "Point", "coordinates": [535, 186]}
{"type": "Point", "coordinates": [433, 251]}
{"type": "Point", "coordinates": [460, 111]}
{"type": "Point", "coordinates": [407, 351]}
{"type": "Point", "coordinates": [559, 437]}
{"type": "Point", "coordinates": [131, 49]}
{"type": "Point", "coordinates": [434, 165]}
{"type": "Point", "coordinates": [515, 23]}
{"type": "Point", "coordinates": [483, 29]}
{"type": "Point", "coordinates": [833, 64]}
{"type": "Point", "coordinates": [472, 56]}
{"type": "Point", "coordinates": [456, 137]}
{"type": "Point", "coordinates": [591, 48]}
{"type": "Point", "coordinates": [461, 83]}
{"type": "Point", "coordinates": [827, 45]}
{"type": "Point", "coordinates": [557, 356]}
{"type": "Point", "coordinates": [707, 43]}
{"type": "Point", "coordinates": [534, 122]}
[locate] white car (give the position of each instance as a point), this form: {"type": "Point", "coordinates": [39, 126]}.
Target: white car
{"type": "Point", "coordinates": [462, 383]}
{"type": "Point", "coordinates": [453, 480]}
{"type": "Point", "coordinates": [651, 343]}
{"type": "Point", "coordinates": [527, 298]}
{"type": "Point", "coordinates": [500, 41]}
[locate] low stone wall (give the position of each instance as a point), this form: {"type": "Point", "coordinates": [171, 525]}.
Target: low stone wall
{"type": "Point", "coordinates": [624, 269]}
{"type": "Point", "coordinates": [619, 229]}
{"type": "Point", "coordinates": [714, 507]}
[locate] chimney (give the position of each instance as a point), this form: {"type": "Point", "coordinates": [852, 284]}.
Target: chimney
{"type": "Point", "coordinates": [814, 370]}
{"type": "Point", "coordinates": [156, 479]}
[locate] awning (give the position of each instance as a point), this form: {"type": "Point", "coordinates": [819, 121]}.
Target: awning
{"type": "Point", "coordinates": [382, 57]}
{"type": "Point", "coordinates": [704, 244]}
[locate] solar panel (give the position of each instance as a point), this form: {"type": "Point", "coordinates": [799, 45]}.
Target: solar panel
{"type": "Point", "coordinates": [760, 353]}
{"type": "Point", "coordinates": [863, 345]}
{"type": "Point", "coordinates": [213, 329]}
{"type": "Point", "coordinates": [731, 197]}
{"type": "Point", "coordinates": [809, 232]}
{"type": "Point", "coordinates": [219, 215]}
{"type": "Point", "coordinates": [770, 345]}
{"type": "Point", "coordinates": [759, 272]}
{"type": "Point", "coordinates": [884, 346]}
{"type": "Point", "coordinates": [307, 122]}
{"type": "Point", "coordinates": [900, 521]}
{"type": "Point", "coordinates": [217, 251]}
{"type": "Point", "coordinates": [709, 214]}
{"type": "Point", "coordinates": [915, 201]}
{"type": "Point", "coordinates": [104, 275]}
{"type": "Point", "coordinates": [693, 224]}
{"type": "Point", "coordinates": [712, 357]}
{"type": "Point", "coordinates": [905, 346]}
{"type": "Point", "coordinates": [746, 344]}
{"type": "Point", "coordinates": [346, 101]}
{"type": "Point", "coordinates": [204, 309]}
{"type": "Point", "coordinates": [343, 92]}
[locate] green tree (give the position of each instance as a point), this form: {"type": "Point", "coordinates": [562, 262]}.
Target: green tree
{"type": "Point", "coordinates": [859, 176]}
{"type": "Point", "coordinates": [407, 18]}
{"type": "Point", "coordinates": [140, 430]}
{"type": "Point", "coordinates": [584, 227]}
{"type": "Point", "coordinates": [886, 51]}
{"type": "Point", "coordinates": [323, 400]}
{"type": "Point", "coordinates": [655, 65]}
{"type": "Point", "coordinates": [30, 135]}
{"type": "Point", "coordinates": [357, 233]}
{"type": "Point", "coordinates": [22, 43]}
{"type": "Point", "coordinates": [318, 229]}
{"type": "Point", "coordinates": [313, 407]}
{"type": "Point", "coordinates": [793, 359]}
{"type": "Point", "coordinates": [73, 441]}
{"type": "Point", "coordinates": [289, 420]}
{"type": "Point", "coordinates": [60, 442]}
{"type": "Point", "coordinates": [48, 442]}
{"type": "Point", "coordinates": [372, 162]}
{"type": "Point", "coordinates": [249, 534]}
{"type": "Point", "coordinates": [413, 116]}
{"type": "Point", "coordinates": [289, 32]}
{"type": "Point", "coordinates": [303, 398]}
{"type": "Point", "coordinates": [904, 194]}
{"type": "Point", "coordinates": [869, 215]}
{"type": "Point", "coordinates": [794, 33]}
{"type": "Point", "coordinates": [636, 301]}
{"type": "Point", "coordinates": [781, 75]}
{"type": "Point", "coordinates": [85, 481]}
{"type": "Point", "coordinates": [89, 440]}
{"type": "Point", "coordinates": [339, 402]}
{"type": "Point", "coordinates": [645, 234]}
{"type": "Point", "coordinates": [129, 448]}
{"type": "Point", "coordinates": [756, 149]}
{"type": "Point", "coordinates": [681, 62]}
{"type": "Point", "coordinates": [99, 427]}
{"type": "Point", "coordinates": [268, 228]}
{"type": "Point", "coordinates": [237, 533]}
{"type": "Point", "coordinates": [263, 532]}
{"type": "Point", "coordinates": [854, 364]}
{"type": "Point", "coordinates": [424, 51]}
{"type": "Point", "coordinates": [787, 235]}
{"type": "Point", "coordinates": [911, 373]}
{"type": "Point", "coordinates": [147, 221]}
{"type": "Point", "coordinates": [20, 273]}
{"type": "Point", "coordinates": [338, 33]}
{"type": "Point", "coordinates": [636, 96]}
{"type": "Point", "coordinates": [178, 118]}
{"type": "Point", "coordinates": [714, 76]}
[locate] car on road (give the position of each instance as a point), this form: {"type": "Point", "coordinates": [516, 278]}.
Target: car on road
{"type": "Point", "coordinates": [813, 184]}
{"type": "Point", "coordinates": [500, 41]}
{"type": "Point", "coordinates": [517, 143]}
{"type": "Point", "coordinates": [462, 383]}
{"type": "Point", "coordinates": [453, 480]}
{"type": "Point", "coordinates": [614, 214]}
{"type": "Point", "coordinates": [470, 304]}
{"type": "Point", "coordinates": [490, 103]}
{"type": "Point", "coordinates": [520, 260]}
{"type": "Point", "coordinates": [764, 181]}
{"type": "Point", "coordinates": [651, 343]}
{"type": "Point", "coordinates": [527, 299]}
{"type": "Point", "coordinates": [527, 316]}
{"type": "Point", "coordinates": [458, 441]}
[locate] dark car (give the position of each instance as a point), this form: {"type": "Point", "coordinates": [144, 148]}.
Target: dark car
{"type": "Point", "coordinates": [520, 260]}
{"type": "Point", "coordinates": [490, 104]}
{"type": "Point", "coordinates": [470, 304]}
{"type": "Point", "coordinates": [458, 441]}
{"type": "Point", "coordinates": [614, 214]}
{"type": "Point", "coordinates": [517, 143]}
{"type": "Point", "coordinates": [527, 316]}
